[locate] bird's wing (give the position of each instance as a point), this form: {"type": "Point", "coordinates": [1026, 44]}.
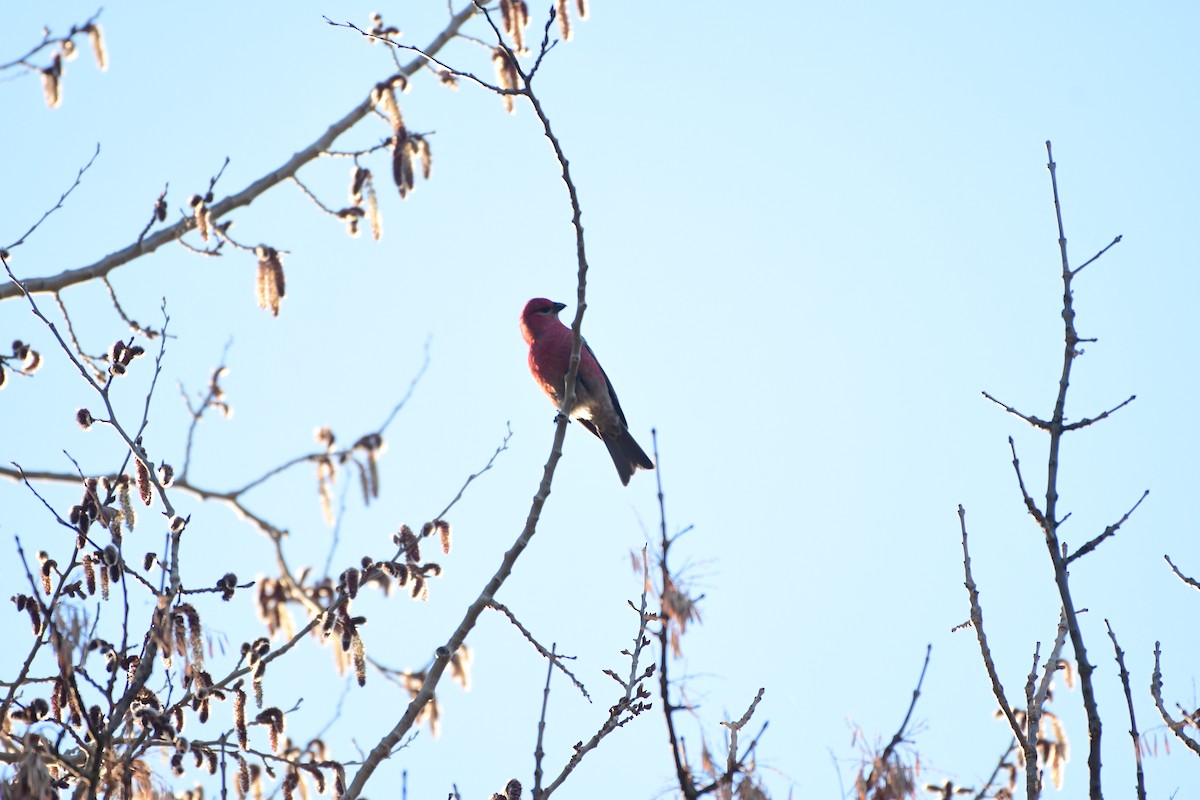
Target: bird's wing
{"type": "Point", "coordinates": [611, 392]}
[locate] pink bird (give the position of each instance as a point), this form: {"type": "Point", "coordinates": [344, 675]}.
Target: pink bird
{"type": "Point", "coordinates": [596, 405]}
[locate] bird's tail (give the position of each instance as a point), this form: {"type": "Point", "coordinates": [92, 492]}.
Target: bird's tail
{"type": "Point", "coordinates": [627, 455]}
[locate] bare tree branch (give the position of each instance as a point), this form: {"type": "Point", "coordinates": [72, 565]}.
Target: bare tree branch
{"type": "Point", "coordinates": [49, 40]}
{"type": "Point", "coordinates": [62, 199]}
{"type": "Point", "coordinates": [1057, 427]}
{"type": "Point", "coordinates": [1133, 731]}
{"type": "Point", "coordinates": [1027, 747]}
{"type": "Point", "coordinates": [898, 737]}
{"type": "Point", "coordinates": [1177, 726]}
{"type": "Point", "coordinates": [1195, 584]}
{"type": "Point", "coordinates": [1109, 531]}
{"type": "Point", "coordinates": [1104, 250]}
{"type": "Point", "coordinates": [244, 197]}
{"type": "Point", "coordinates": [553, 656]}
{"type": "Point", "coordinates": [1032, 420]}
{"type": "Point", "coordinates": [1083, 423]}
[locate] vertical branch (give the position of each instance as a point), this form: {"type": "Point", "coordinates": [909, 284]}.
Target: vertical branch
{"type": "Point", "coordinates": [1056, 427]}
{"type": "Point", "coordinates": [1033, 721]}
{"type": "Point", "coordinates": [539, 753]}
{"type": "Point", "coordinates": [683, 772]}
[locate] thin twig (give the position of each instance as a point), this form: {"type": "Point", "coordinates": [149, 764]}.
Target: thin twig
{"type": "Point", "coordinates": [1030, 505]}
{"type": "Point", "coordinates": [316, 201]}
{"type": "Point", "coordinates": [1109, 531]}
{"type": "Point", "coordinates": [210, 398]}
{"type": "Point", "coordinates": [1032, 420]}
{"type": "Point", "coordinates": [898, 737]}
{"type": "Point", "coordinates": [412, 386]}
{"type": "Point", "coordinates": [1195, 584]}
{"type": "Point", "coordinates": [491, 461]}
{"type": "Point", "coordinates": [1133, 731]}
{"type": "Point", "coordinates": [982, 793]}
{"type": "Point", "coordinates": [158, 213]}
{"type": "Point", "coordinates": [1079, 269]}
{"type": "Point", "coordinates": [428, 56]}
{"type": "Point", "coordinates": [548, 654]}
{"type": "Point", "coordinates": [48, 40]}
{"type": "Point", "coordinates": [89, 360]}
{"type": "Point", "coordinates": [149, 333]}
{"type": "Point", "coordinates": [1083, 423]}
{"type": "Point", "coordinates": [62, 198]}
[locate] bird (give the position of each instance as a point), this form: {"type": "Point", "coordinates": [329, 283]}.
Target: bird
{"type": "Point", "coordinates": [596, 406]}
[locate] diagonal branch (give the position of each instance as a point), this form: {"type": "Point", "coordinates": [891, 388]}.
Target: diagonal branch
{"type": "Point", "coordinates": [1083, 423]}
{"type": "Point", "coordinates": [1032, 420]}
{"type": "Point", "coordinates": [62, 199]}
{"type": "Point", "coordinates": [1109, 531]}
{"type": "Point", "coordinates": [898, 737]}
{"type": "Point", "coordinates": [1079, 269]}
{"type": "Point", "coordinates": [1133, 731]}
{"type": "Point", "coordinates": [1195, 584]}
{"type": "Point", "coordinates": [1027, 747]}
{"type": "Point", "coordinates": [1034, 511]}
{"type": "Point", "coordinates": [49, 40]}
{"type": "Point", "coordinates": [552, 655]}
{"type": "Point", "coordinates": [282, 173]}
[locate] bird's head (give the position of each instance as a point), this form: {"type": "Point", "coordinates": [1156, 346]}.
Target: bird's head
{"type": "Point", "coordinates": [539, 316]}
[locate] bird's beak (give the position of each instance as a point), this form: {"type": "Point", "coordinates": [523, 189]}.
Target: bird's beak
{"type": "Point", "coordinates": [558, 307]}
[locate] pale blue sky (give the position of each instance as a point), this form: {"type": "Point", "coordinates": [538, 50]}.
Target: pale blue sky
{"type": "Point", "coordinates": [816, 232]}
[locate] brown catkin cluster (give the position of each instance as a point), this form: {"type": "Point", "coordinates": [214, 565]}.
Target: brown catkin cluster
{"type": "Point", "coordinates": [507, 76]}
{"type": "Point", "coordinates": [270, 278]}
{"type": "Point", "coordinates": [515, 17]}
